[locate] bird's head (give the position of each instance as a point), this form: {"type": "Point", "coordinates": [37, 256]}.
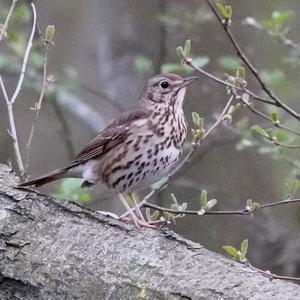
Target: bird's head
{"type": "Point", "coordinates": [167, 89]}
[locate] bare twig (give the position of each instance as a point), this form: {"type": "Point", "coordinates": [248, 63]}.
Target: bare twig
{"type": "Point", "coordinates": [278, 102]}
{"type": "Point", "coordinates": [227, 84]}
{"type": "Point", "coordinates": [271, 275]}
{"type": "Point", "coordinates": [3, 29]}
{"type": "Point", "coordinates": [12, 130]}
{"type": "Point", "coordinates": [248, 92]}
{"type": "Point", "coordinates": [243, 212]}
{"type": "Point", "coordinates": [279, 36]}
{"type": "Point", "coordinates": [37, 108]}
{"type": "Point", "coordinates": [266, 117]}
{"type": "Point", "coordinates": [26, 56]}
{"type": "Point", "coordinates": [10, 102]}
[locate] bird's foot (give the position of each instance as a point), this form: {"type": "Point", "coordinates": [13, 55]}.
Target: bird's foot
{"type": "Point", "coordinates": [138, 222]}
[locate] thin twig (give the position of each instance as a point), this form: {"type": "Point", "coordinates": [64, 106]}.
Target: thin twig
{"type": "Point", "coordinates": [26, 55]}
{"type": "Point", "coordinates": [254, 96]}
{"type": "Point", "coordinates": [243, 212]}
{"type": "Point", "coordinates": [3, 29]}
{"type": "Point", "coordinates": [10, 102]}
{"type": "Point", "coordinates": [12, 130]}
{"type": "Point", "coordinates": [266, 117]}
{"type": "Point", "coordinates": [271, 275]}
{"type": "Point", "coordinates": [245, 59]}
{"type": "Point", "coordinates": [37, 108]}
{"type": "Point", "coordinates": [227, 84]}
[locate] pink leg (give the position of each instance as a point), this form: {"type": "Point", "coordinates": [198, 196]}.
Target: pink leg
{"type": "Point", "coordinates": [137, 222]}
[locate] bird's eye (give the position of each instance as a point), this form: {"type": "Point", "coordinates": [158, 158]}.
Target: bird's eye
{"type": "Point", "coordinates": [164, 84]}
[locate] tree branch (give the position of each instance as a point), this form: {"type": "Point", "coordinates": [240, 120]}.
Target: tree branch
{"type": "Point", "coordinates": [243, 212]}
{"type": "Point", "coordinates": [248, 63]}
{"type": "Point", "coordinates": [59, 249]}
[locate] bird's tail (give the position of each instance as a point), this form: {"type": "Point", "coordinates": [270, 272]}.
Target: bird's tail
{"type": "Point", "coordinates": [47, 178]}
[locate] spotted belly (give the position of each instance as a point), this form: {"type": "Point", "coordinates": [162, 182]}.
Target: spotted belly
{"type": "Point", "coordinates": [134, 172]}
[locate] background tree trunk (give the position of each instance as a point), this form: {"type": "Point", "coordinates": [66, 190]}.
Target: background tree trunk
{"type": "Point", "coordinates": [58, 250]}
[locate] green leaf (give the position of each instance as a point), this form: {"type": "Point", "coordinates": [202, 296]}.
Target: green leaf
{"type": "Point", "coordinates": [174, 199]}
{"type": "Point", "coordinates": [211, 203]}
{"type": "Point", "coordinates": [184, 206]}
{"type": "Point", "coordinates": [277, 21]}
{"type": "Point", "coordinates": [180, 52]}
{"type": "Point", "coordinates": [195, 118]}
{"type": "Point", "coordinates": [200, 61]}
{"type": "Point", "coordinates": [241, 72]}
{"type": "Point", "coordinates": [49, 33]}
{"type": "Point", "coordinates": [292, 186]}
{"type": "Point", "coordinates": [274, 117]}
{"type": "Point", "coordinates": [224, 11]}
{"type": "Point", "coordinates": [203, 199]}
{"type": "Point", "coordinates": [281, 136]}
{"type": "Point", "coordinates": [244, 249]}
{"type": "Point", "coordinates": [187, 48]}
{"type": "Point", "coordinates": [228, 10]}
{"type": "Point", "coordinates": [155, 215]}
{"type": "Point", "coordinates": [281, 17]}
{"type": "Point", "coordinates": [231, 251]}
{"type": "Point", "coordinates": [269, 132]}
{"type": "Point", "coordinates": [256, 130]}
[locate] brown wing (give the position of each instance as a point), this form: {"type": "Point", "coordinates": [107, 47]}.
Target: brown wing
{"type": "Point", "coordinates": [114, 134]}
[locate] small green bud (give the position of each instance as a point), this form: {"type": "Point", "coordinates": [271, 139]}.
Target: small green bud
{"type": "Point", "coordinates": [50, 30]}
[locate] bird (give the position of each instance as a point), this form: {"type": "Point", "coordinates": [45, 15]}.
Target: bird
{"type": "Point", "coordinates": [138, 148]}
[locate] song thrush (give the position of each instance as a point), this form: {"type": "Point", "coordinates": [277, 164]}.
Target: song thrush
{"type": "Point", "coordinates": [136, 149]}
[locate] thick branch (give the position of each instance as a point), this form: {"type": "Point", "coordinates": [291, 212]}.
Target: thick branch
{"type": "Point", "coordinates": [59, 250]}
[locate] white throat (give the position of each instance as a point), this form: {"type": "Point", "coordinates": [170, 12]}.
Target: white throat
{"type": "Point", "coordinates": [180, 98]}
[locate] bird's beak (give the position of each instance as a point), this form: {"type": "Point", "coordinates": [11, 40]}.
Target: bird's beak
{"type": "Point", "coordinates": [188, 80]}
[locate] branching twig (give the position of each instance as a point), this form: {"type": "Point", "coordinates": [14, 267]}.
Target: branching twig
{"type": "Point", "coordinates": [227, 84]}
{"type": "Point", "coordinates": [11, 101]}
{"type": "Point", "coordinates": [248, 92]}
{"type": "Point", "coordinates": [26, 56]}
{"type": "Point", "coordinates": [3, 29]}
{"type": "Point", "coordinates": [266, 117]}
{"type": "Point", "coordinates": [218, 212]}
{"type": "Point", "coordinates": [278, 102]}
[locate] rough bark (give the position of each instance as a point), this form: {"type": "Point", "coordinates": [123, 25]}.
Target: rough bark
{"type": "Point", "coordinates": [58, 250]}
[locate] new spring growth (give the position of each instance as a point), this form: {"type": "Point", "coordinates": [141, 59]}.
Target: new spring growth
{"type": "Point", "coordinates": [198, 131]}
{"type": "Point", "coordinates": [225, 12]}
{"type": "Point", "coordinates": [184, 52]}
{"type": "Point", "coordinates": [49, 35]}
{"type": "Point", "coordinates": [205, 204]}
{"type": "Point", "coordinates": [238, 254]}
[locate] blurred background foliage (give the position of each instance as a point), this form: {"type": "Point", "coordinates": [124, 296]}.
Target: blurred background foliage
{"type": "Point", "coordinates": [105, 50]}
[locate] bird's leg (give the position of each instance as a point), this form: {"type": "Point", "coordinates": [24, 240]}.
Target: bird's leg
{"type": "Point", "coordinates": [137, 208]}
{"type": "Point", "coordinates": [137, 222]}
